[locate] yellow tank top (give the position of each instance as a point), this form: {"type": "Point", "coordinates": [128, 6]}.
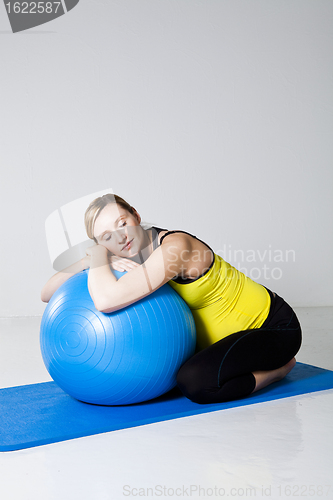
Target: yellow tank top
{"type": "Point", "coordinates": [223, 301]}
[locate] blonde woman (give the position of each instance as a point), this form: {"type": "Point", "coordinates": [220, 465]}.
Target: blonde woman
{"type": "Point", "coordinates": [247, 336]}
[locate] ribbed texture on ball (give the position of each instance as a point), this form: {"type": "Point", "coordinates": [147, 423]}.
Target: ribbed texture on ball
{"type": "Point", "coordinates": [125, 357]}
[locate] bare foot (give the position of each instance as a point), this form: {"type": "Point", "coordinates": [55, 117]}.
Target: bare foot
{"type": "Point", "coordinates": [264, 378]}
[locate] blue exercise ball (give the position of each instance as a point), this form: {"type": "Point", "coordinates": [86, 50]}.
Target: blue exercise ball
{"type": "Point", "coordinates": [124, 357]}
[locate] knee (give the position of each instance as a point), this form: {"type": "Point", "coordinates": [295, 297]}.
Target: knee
{"type": "Point", "coordinates": [190, 382]}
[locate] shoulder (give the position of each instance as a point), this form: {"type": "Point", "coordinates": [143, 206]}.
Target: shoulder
{"type": "Point", "coordinates": [175, 236]}
{"type": "Point", "coordinates": [176, 245]}
{"type": "Point", "coordinates": [178, 240]}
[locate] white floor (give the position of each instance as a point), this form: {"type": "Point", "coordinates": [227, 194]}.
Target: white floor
{"type": "Point", "coordinates": [279, 449]}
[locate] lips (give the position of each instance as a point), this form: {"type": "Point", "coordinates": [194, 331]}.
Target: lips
{"type": "Point", "coordinates": [128, 245]}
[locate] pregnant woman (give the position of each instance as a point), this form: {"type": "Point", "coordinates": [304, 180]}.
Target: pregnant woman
{"type": "Point", "coordinates": [247, 336]}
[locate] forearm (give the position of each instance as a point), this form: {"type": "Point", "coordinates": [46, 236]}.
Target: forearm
{"type": "Point", "coordinates": [59, 278]}
{"type": "Point", "coordinates": [100, 279]}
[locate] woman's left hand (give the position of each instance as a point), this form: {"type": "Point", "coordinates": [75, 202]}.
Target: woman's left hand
{"type": "Point", "coordinates": [97, 250]}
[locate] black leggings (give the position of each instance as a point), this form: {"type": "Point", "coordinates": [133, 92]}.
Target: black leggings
{"type": "Point", "coordinates": [223, 371]}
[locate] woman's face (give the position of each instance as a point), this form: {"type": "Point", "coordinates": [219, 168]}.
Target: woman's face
{"type": "Point", "coordinates": [119, 231]}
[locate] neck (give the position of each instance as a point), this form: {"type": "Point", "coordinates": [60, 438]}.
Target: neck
{"type": "Point", "coordinates": [147, 247]}
{"type": "Point", "coordinates": [148, 243]}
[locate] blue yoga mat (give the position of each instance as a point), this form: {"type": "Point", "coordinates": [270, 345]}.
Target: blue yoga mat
{"type": "Point", "coordinates": [39, 414]}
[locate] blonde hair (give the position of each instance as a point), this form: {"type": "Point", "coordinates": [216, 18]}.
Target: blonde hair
{"type": "Point", "coordinates": [97, 205]}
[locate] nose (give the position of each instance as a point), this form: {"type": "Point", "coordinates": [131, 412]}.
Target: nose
{"type": "Point", "coordinates": [122, 236]}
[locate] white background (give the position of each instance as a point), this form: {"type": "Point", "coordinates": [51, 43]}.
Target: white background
{"type": "Point", "coordinates": [210, 116]}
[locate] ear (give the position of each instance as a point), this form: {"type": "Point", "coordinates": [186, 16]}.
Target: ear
{"type": "Point", "coordinates": [136, 214]}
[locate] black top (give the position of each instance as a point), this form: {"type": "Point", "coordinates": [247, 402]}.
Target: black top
{"type": "Point", "coordinates": [178, 279]}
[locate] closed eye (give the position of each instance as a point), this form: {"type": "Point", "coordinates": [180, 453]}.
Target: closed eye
{"type": "Point", "coordinates": [124, 224]}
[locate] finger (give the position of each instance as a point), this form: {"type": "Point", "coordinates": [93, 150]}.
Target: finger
{"type": "Point", "coordinates": [128, 262]}
{"type": "Point", "coordinates": [118, 268]}
{"type": "Point", "coordinates": [132, 264]}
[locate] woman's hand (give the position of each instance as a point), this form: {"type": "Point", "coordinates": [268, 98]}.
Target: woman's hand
{"type": "Point", "coordinates": [117, 263]}
{"type": "Point", "coordinates": [121, 264]}
{"type": "Point", "coordinates": [86, 262]}
{"type": "Point", "coordinates": [96, 250]}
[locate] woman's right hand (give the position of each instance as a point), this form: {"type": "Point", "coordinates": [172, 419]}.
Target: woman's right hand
{"type": "Point", "coordinates": [121, 264]}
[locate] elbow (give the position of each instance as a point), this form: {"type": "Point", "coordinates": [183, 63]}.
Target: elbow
{"type": "Point", "coordinates": [98, 306]}
{"type": "Point", "coordinates": [104, 309]}
{"type": "Point", "coordinates": [108, 310]}
{"type": "Point", "coordinates": [44, 297]}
